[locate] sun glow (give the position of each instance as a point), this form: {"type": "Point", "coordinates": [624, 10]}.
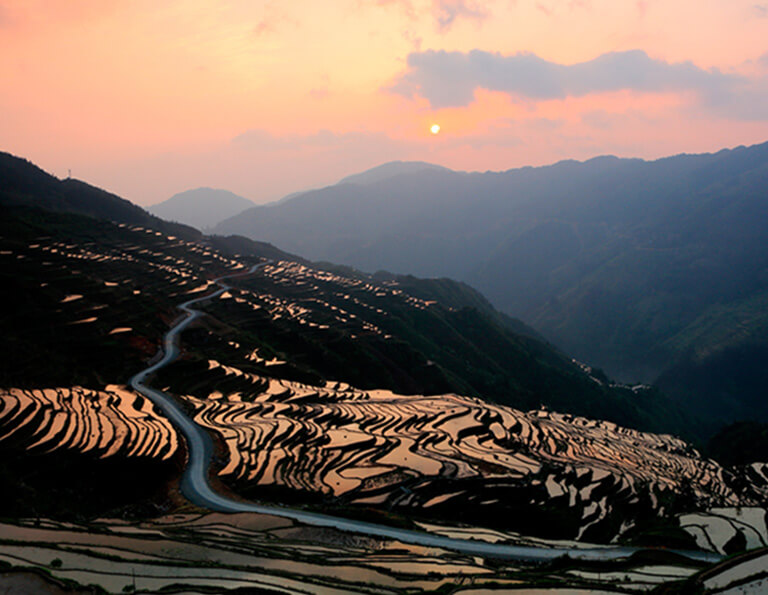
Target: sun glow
{"type": "Point", "coordinates": [434, 129]}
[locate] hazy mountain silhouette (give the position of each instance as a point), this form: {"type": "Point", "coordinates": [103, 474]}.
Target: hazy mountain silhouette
{"type": "Point", "coordinates": [434, 335]}
{"type": "Point", "coordinates": [391, 170]}
{"type": "Point", "coordinates": [25, 184]}
{"type": "Point", "coordinates": [202, 207]}
{"type": "Point", "coordinates": [639, 267]}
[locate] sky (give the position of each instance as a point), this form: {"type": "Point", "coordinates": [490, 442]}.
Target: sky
{"type": "Point", "coordinates": [263, 98]}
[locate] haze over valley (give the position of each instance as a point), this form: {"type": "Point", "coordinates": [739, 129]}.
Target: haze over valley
{"type": "Point", "coordinates": [202, 208]}
{"type": "Point", "coordinates": [652, 271]}
{"type": "Point", "coordinates": [391, 397]}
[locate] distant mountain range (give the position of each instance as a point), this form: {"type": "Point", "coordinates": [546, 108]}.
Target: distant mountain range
{"type": "Point", "coordinates": [652, 270]}
{"type": "Point", "coordinates": [202, 207]}
{"type": "Point", "coordinates": [391, 170]}
{"type": "Point", "coordinates": [384, 398]}
{"type": "Point", "coordinates": [441, 335]}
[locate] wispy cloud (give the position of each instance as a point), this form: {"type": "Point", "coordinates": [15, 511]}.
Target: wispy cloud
{"type": "Point", "coordinates": [405, 5]}
{"type": "Point", "coordinates": [448, 11]}
{"type": "Point", "coordinates": [761, 10]}
{"type": "Point", "coordinates": [444, 13]}
{"type": "Point", "coordinates": [449, 79]}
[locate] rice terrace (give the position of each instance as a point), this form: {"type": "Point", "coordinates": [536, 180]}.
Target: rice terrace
{"type": "Point", "coordinates": [384, 297]}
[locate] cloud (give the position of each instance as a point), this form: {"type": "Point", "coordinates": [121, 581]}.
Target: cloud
{"type": "Point", "coordinates": [761, 10]}
{"type": "Point", "coordinates": [444, 12]}
{"type": "Point", "coordinates": [413, 40]}
{"type": "Point", "coordinates": [449, 79]}
{"type": "Point", "coordinates": [405, 5]}
{"type": "Point", "coordinates": [599, 119]}
{"type": "Point", "coordinates": [447, 11]}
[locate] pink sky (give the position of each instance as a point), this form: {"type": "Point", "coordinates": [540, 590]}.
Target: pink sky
{"type": "Point", "coordinates": [149, 98]}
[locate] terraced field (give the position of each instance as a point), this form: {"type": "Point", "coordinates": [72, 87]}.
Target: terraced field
{"type": "Point", "coordinates": [413, 337]}
{"type": "Point", "coordinates": [449, 453]}
{"type": "Point", "coordinates": [745, 574]}
{"type": "Point", "coordinates": [329, 389]}
{"type": "Point", "coordinates": [88, 302]}
{"type": "Point", "coordinates": [191, 553]}
{"type": "Point", "coordinates": [729, 530]}
{"type": "Point", "coordinates": [91, 299]}
{"type": "Point", "coordinates": [112, 422]}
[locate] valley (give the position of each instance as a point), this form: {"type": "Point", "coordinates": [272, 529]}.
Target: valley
{"type": "Point", "coordinates": [652, 271]}
{"type": "Point", "coordinates": [359, 412]}
{"type": "Point", "coordinates": [383, 297]}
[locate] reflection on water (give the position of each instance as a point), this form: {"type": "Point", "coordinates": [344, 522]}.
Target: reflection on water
{"type": "Point", "coordinates": [233, 550]}
{"type": "Point", "coordinates": [374, 446]}
{"type": "Point", "coordinates": [115, 421]}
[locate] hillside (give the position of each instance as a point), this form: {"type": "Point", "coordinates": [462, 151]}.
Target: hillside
{"type": "Point", "coordinates": [390, 334]}
{"type": "Point", "coordinates": [389, 406]}
{"type": "Point", "coordinates": [391, 170]}
{"type": "Point", "coordinates": [353, 392]}
{"type": "Point", "coordinates": [649, 270]}
{"type": "Point", "coordinates": [400, 333]}
{"type": "Point", "coordinates": [201, 208]}
{"type": "Point", "coordinates": [25, 184]}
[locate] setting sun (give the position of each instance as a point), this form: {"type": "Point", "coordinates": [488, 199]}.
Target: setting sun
{"type": "Point", "coordinates": [434, 129]}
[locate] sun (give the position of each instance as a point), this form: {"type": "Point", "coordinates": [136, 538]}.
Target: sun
{"type": "Point", "coordinates": [435, 128]}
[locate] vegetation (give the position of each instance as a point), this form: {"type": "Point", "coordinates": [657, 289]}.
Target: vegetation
{"type": "Point", "coordinates": [740, 443]}
{"type": "Point", "coordinates": [25, 184]}
{"type": "Point", "coordinates": [648, 270]}
{"type": "Point", "coordinates": [74, 486]}
{"type": "Point", "coordinates": [92, 298]}
{"type": "Point", "coordinates": [468, 350]}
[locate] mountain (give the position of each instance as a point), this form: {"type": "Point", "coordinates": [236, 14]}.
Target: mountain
{"type": "Point", "coordinates": [25, 184]}
{"type": "Point", "coordinates": [387, 332]}
{"type": "Point", "coordinates": [382, 402]}
{"type": "Point", "coordinates": [202, 207]}
{"type": "Point", "coordinates": [400, 333]}
{"type": "Point", "coordinates": [359, 392]}
{"type": "Point", "coordinates": [391, 170]}
{"type": "Point", "coordinates": [650, 270]}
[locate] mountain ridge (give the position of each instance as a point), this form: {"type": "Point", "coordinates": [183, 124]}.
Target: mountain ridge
{"type": "Point", "coordinates": [26, 184]}
{"type": "Point", "coordinates": [434, 336]}
{"type": "Point", "coordinates": [389, 170]}
{"type": "Point", "coordinates": [614, 260]}
{"type": "Point", "coordinates": [201, 207]}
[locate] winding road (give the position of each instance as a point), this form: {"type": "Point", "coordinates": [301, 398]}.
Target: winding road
{"type": "Point", "coordinates": [196, 487]}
